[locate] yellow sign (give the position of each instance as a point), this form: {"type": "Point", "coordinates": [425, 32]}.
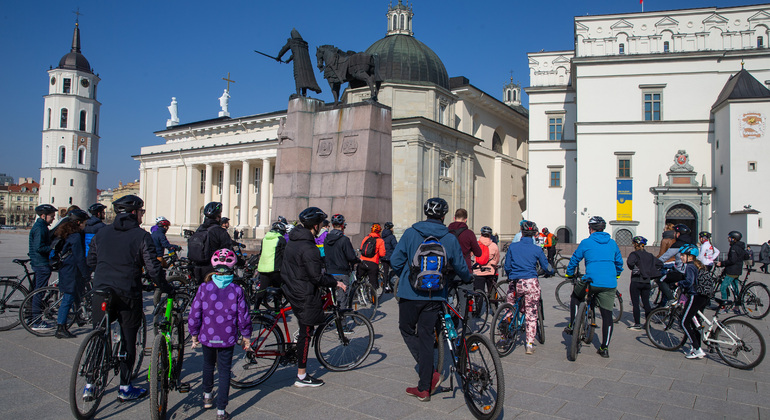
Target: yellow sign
{"type": "Point", "coordinates": [624, 206]}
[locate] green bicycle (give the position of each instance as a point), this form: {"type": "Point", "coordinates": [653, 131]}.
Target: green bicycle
{"type": "Point", "coordinates": [167, 354]}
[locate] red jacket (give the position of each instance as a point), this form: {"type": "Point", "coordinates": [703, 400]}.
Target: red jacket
{"type": "Point", "coordinates": [380, 249]}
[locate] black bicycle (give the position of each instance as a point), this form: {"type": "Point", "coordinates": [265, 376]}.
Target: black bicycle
{"type": "Point", "coordinates": [563, 293]}
{"type": "Point", "coordinates": [12, 293]}
{"type": "Point", "coordinates": [584, 322]}
{"type": "Point", "coordinates": [753, 297]}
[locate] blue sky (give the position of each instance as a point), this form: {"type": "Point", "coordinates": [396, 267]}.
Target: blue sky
{"type": "Point", "coordinates": [145, 52]}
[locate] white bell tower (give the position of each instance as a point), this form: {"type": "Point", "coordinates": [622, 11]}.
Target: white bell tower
{"type": "Point", "coordinates": [512, 94]}
{"type": "Point", "coordinates": [70, 132]}
{"type": "Point", "coordinates": [400, 19]}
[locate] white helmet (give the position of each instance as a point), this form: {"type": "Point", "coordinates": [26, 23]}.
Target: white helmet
{"type": "Point", "coordinates": [160, 219]}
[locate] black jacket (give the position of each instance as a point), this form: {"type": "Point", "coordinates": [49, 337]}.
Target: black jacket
{"type": "Point", "coordinates": [339, 254]}
{"type": "Point", "coordinates": [117, 254]}
{"type": "Point", "coordinates": [734, 263]}
{"type": "Point", "coordinates": [218, 237]}
{"type": "Point", "coordinates": [303, 277]}
{"type": "Point", "coordinates": [390, 243]}
{"type": "Point", "coordinates": [644, 266]}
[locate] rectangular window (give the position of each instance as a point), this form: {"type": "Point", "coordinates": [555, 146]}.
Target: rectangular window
{"type": "Point", "coordinates": [555, 127]}
{"type": "Point", "coordinates": [760, 42]}
{"type": "Point", "coordinates": [555, 178]}
{"type": "Point", "coordinates": [752, 166]}
{"type": "Point", "coordinates": [666, 47]}
{"type": "Point", "coordinates": [203, 181]}
{"type": "Point", "coordinates": [18, 207]}
{"type": "Point", "coordinates": [63, 121]}
{"type": "Point", "coordinates": [30, 207]}
{"type": "Point", "coordinates": [652, 106]}
{"type": "Point", "coordinates": [622, 48]}
{"type": "Point", "coordinates": [54, 181]}
{"type": "Point", "coordinates": [72, 182]}
{"type": "Point", "coordinates": [624, 167]}
{"type": "Point", "coordinates": [441, 112]}
{"type": "Point", "coordinates": [237, 181]}
{"type": "Point", "coordinates": [257, 180]}
{"type": "Point", "coordinates": [219, 182]}
{"type": "Point", "coordinates": [67, 85]}
{"type": "Point", "coordinates": [443, 169]}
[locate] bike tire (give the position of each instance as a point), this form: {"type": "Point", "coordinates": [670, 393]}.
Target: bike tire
{"type": "Point", "coordinates": [589, 327]}
{"type": "Point", "coordinates": [750, 349]}
{"type": "Point", "coordinates": [664, 328]}
{"type": "Point", "coordinates": [498, 295]}
{"type": "Point", "coordinates": [363, 299]}
{"type": "Point", "coordinates": [755, 300]}
{"type": "Point", "coordinates": [483, 380]}
{"type": "Point", "coordinates": [617, 307]}
{"type": "Point", "coordinates": [158, 377]}
{"type": "Point", "coordinates": [89, 368]}
{"type": "Point", "coordinates": [340, 354]}
{"type": "Point", "coordinates": [560, 266]}
{"type": "Point", "coordinates": [141, 341]}
{"type": "Point", "coordinates": [250, 369]}
{"type": "Point", "coordinates": [439, 354]}
{"type": "Point", "coordinates": [540, 323]}
{"type": "Point", "coordinates": [577, 333]}
{"type": "Point", "coordinates": [655, 294]}
{"type": "Point", "coordinates": [453, 299]}
{"type": "Point", "coordinates": [563, 293]}
{"type": "Point", "coordinates": [177, 346]}
{"type": "Point", "coordinates": [504, 329]}
{"type": "Point", "coordinates": [50, 300]}
{"type": "Point", "coordinates": [12, 295]}
{"type": "Point", "coordinates": [478, 317]}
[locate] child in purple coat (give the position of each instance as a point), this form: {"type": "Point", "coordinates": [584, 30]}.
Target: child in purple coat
{"type": "Point", "coordinates": [219, 312]}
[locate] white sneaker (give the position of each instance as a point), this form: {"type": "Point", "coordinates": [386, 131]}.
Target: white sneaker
{"type": "Point", "coordinates": [697, 354]}
{"type": "Point", "coordinates": [530, 348]}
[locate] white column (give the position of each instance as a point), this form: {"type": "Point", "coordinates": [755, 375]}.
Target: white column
{"type": "Point", "coordinates": [209, 186]}
{"type": "Point", "coordinates": [151, 220]}
{"type": "Point", "coordinates": [226, 190]}
{"type": "Point", "coordinates": [246, 187]}
{"type": "Point", "coordinates": [190, 191]}
{"type": "Point", "coordinates": [264, 194]}
{"type": "Point", "coordinates": [172, 210]}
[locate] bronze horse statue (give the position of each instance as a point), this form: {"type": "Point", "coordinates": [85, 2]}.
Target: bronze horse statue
{"type": "Point", "coordinates": [348, 66]}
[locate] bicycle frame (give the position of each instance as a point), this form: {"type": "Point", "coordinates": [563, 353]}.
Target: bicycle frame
{"type": "Point", "coordinates": [448, 309]}
{"type": "Point", "coordinates": [713, 325]}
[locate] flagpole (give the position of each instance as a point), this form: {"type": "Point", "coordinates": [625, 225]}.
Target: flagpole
{"type": "Point", "coordinates": [642, 3]}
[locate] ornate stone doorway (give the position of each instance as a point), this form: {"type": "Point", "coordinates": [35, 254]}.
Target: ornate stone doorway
{"type": "Point", "coordinates": [684, 214]}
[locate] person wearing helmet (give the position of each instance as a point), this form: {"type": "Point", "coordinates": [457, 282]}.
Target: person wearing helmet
{"type": "Point", "coordinates": [95, 222]}
{"type": "Point", "coordinates": [118, 254]}
{"type": "Point", "coordinates": [418, 311]}
{"type": "Point", "coordinates": [708, 253]}
{"type": "Point", "coordinates": [733, 264]}
{"type": "Point", "coordinates": [518, 235]}
{"type": "Point", "coordinates": [340, 257]}
{"type": "Point", "coordinates": [370, 263]}
{"type": "Point", "coordinates": [485, 275]}
{"type": "Point", "coordinates": [216, 238]}
{"type": "Point", "coordinates": [40, 247]}
{"type": "Point", "coordinates": [160, 240]}
{"type": "Point", "coordinates": [303, 278]}
{"type": "Point", "coordinates": [644, 268]}
{"type": "Point", "coordinates": [521, 265]}
{"type": "Point", "coordinates": [673, 267]}
{"type": "Point", "coordinates": [226, 322]}
{"type": "Point", "coordinates": [390, 244]}
{"type": "Point", "coordinates": [319, 241]}
{"type": "Point", "coordinates": [549, 244]}
{"type": "Point", "coordinates": [270, 260]}
{"type": "Point", "coordinates": [73, 273]}
{"type": "Point", "coordinates": [695, 302]}
{"type": "Point", "coordinates": [603, 266]}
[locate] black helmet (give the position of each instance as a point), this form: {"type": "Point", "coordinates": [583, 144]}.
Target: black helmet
{"type": "Point", "coordinates": [338, 220]}
{"type": "Point", "coordinates": [388, 225]}
{"type": "Point", "coordinates": [96, 208]}
{"type": "Point", "coordinates": [641, 240]}
{"type": "Point", "coordinates": [45, 209]}
{"type": "Point", "coordinates": [682, 229]}
{"type": "Point", "coordinates": [224, 220]}
{"type": "Point", "coordinates": [436, 208]}
{"type": "Point", "coordinates": [705, 234]}
{"type": "Point", "coordinates": [279, 227]}
{"type": "Point", "coordinates": [486, 231]}
{"type": "Point", "coordinates": [528, 228]}
{"type": "Point", "coordinates": [312, 216]}
{"type": "Point", "coordinates": [127, 204]}
{"type": "Point", "coordinates": [735, 235]}
{"type": "Point", "coordinates": [78, 215]}
{"type": "Point", "coordinates": [212, 209]}
{"type": "Point", "coordinates": [597, 223]}
{"type": "Point", "coordinates": [545, 230]}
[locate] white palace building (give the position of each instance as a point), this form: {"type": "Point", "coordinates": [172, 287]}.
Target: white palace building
{"type": "Point", "coordinates": [654, 117]}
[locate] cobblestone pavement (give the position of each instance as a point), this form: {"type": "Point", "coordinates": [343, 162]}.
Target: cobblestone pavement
{"type": "Point", "coordinates": [637, 381]}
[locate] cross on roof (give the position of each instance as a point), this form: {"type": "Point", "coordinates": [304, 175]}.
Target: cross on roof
{"type": "Point", "coordinates": [227, 79]}
{"type": "Point", "coordinates": [77, 15]}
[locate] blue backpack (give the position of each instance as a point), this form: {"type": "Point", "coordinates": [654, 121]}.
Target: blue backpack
{"type": "Point", "coordinates": [428, 269]}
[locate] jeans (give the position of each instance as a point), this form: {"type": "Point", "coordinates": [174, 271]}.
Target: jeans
{"type": "Point", "coordinates": [42, 275]}
{"type": "Point", "coordinates": [417, 323]}
{"type": "Point", "coordinates": [732, 283]}
{"type": "Point", "coordinates": [222, 357]}
{"type": "Point", "coordinates": [68, 299]}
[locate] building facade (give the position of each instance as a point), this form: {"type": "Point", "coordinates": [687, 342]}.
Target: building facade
{"type": "Point", "coordinates": [626, 126]}
{"type": "Point", "coordinates": [18, 202]}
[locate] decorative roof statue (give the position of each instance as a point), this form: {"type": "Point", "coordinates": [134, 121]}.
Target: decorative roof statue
{"type": "Point", "coordinates": [348, 66]}
{"type": "Point", "coordinates": [174, 120]}
{"type": "Point", "coordinates": [224, 101]}
{"type": "Point", "coordinates": [304, 78]}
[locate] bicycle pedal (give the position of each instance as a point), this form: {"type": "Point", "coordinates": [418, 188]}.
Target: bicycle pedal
{"type": "Point", "coordinates": [183, 388]}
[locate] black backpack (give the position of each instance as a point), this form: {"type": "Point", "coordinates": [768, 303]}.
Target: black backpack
{"type": "Point", "coordinates": [59, 253]}
{"type": "Point", "coordinates": [369, 248]}
{"type": "Point", "coordinates": [198, 246]}
{"type": "Point", "coordinates": [705, 283]}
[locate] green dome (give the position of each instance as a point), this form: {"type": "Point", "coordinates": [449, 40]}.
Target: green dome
{"type": "Point", "coordinates": [405, 59]}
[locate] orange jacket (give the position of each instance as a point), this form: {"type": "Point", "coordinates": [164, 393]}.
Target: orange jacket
{"type": "Point", "coordinates": [549, 240]}
{"type": "Point", "coordinates": [380, 248]}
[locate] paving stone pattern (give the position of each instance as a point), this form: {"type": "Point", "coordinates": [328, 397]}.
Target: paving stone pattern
{"type": "Point", "coordinates": [637, 381]}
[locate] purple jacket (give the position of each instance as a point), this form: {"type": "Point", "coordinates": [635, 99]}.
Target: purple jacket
{"type": "Point", "coordinates": [217, 314]}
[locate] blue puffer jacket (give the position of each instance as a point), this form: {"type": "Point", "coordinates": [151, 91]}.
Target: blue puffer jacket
{"type": "Point", "coordinates": [390, 243]}
{"type": "Point", "coordinates": [603, 260]}
{"type": "Point", "coordinates": [407, 247]}
{"type": "Point", "coordinates": [93, 225]}
{"type": "Point", "coordinates": [522, 258]}
{"type": "Point", "coordinates": [39, 243]}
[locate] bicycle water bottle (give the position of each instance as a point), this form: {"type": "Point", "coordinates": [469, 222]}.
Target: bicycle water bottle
{"type": "Point", "coordinates": [450, 327]}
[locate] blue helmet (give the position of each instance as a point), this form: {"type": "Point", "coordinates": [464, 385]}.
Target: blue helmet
{"type": "Point", "coordinates": [689, 249]}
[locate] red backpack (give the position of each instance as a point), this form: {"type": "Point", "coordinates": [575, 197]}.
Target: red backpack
{"type": "Point", "coordinates": [484, 258]}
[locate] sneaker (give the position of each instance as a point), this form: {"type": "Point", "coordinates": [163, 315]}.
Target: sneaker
{"type": "Point", "coordinates": [88, 394]}
{"type": "Point", "coordinates": [530, 349]}
{"type": "Point", "coordinates": [133, 393]}
{"type": "Point", "coordinates": [309, 381]}
{"type": "Point", "coordinates": [635, 327]}
{"type": "Point", "coordinates": [604, 352]}
{"type": "Point", "coordinates": [208, 402]}
{"type": "Point", "coordinates": [224, 416]}
{"type": "Point", "coordinates": [434, 382]}
{"type": "Point", "coordinates": [41, 326]}
{"type": "Point", "coordinates": [697, 354]}
{"type": "Point", "coordinates": [568, 330]}
{"type": "Point", "coordinates": [421, 395]}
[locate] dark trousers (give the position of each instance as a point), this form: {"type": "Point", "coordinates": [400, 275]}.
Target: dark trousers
{"type": "Point", "coordinates": [484, 283]}
{"type": "Point", "coordinates": [386, 273]}
{"type": "Point", "coordinates": [694, 304]}
{"type": "Point", "coordinates": [368, 268]}
{"type": "Point", "coordinates": [551, 253]}
{"type": "Point", "coordinates": [223, 359]}
{"type": "Point", "coordinates": [129, 313]}
{"type": "Point", "coordinates": [200, 272]}
{"type": "Point", "coordinates": [42, 275]}
{"type": "Point", "coordinates": [267, 280]}
{"type": "Point", "coordinates": [417, 323]}
{"type": "Point", "coordinates": [303, 344]}
{"type": "Point", "coordinates": [672, 276]}
{"type": "Point", "coordinates": [640, 290]}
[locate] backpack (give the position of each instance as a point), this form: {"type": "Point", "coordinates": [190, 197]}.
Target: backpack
{"type": "Point", "coordinates": [484, 258]}
{"type": "Point", "coordinates": [704, 284]}
{"type": "Point", "coordinates": [428, 268]}
{"type": "Point", "coordinates": [197, 247]}
{"type": "Point", "coordinates": [369, 248]}
{"type": "Point", "coordinates": [58, 253]}
{"type": "Point", "coordinates": [554, 240]}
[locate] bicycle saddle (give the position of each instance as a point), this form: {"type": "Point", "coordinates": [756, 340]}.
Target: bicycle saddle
{"type": "Point", "coordinates": [20, 261]}
{"type": "Point", "coordinates": [275, 292]}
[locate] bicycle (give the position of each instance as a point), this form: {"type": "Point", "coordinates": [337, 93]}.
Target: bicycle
{"type": "Point", "coordinates": [584, 323]}
{"type": "Point", "coordinates": [165, 370]}
{"type": "Point", "coordinates": [342, 342]}
{"type": "Point", "coordinates": [743, 346]}
{"type": "Point", "coordinates": [753, 297]}
{"type": "Point", "coordinates": [509, 320]}
{"type": "Point", "coordinates": [478, 368]}
{"type": "Point", "coordinates": [12, 294]}
{"type": "Point", "coordinates": [477, 305]}
{"type": "Point", "coordinates": [362, 297]}
{"type": "Point", "coordinates": [560, 263]}
{"type": "Point", "coordinates": [40, 318]}
{"type": "Point", "coordinates": [99, 353]}
{"type": "Point", "coordinates": [563, 294]}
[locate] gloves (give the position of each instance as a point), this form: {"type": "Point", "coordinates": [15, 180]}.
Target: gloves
{"type": "Point", "coordinates": [569, 276]}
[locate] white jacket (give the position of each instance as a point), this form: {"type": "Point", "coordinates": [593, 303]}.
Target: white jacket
{"type": "Point", "coordinates": [708, 253]}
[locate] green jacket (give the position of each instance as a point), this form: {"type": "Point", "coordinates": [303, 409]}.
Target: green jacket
{"type": "Point", "coordinates": [39, 243]}
{"type": "Point", "coordinates": [271, 258]}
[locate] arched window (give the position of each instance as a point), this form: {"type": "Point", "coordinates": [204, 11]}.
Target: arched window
{"type": "Point", "coordinates": [760, 42]}
{"type": "Point", "coordinates": [509, 96]}
{"type": "Point", "coordinates": [47, 153]}
{"type": "Point", "coordinates": [395, 22]}
{"type": "Point", "coordinates": [48, 124]}
{"type": "Point", "coordinates": [62, 154]}
{"type": "Point", "coordinates": [82, 126]}
{"type": "Point", "coordinates": [63, 122]}
{"type": "Point", "coordinates": [623, 237]}
{"type": "Point", "coordinates": [666, 46]}
{"type": "Point", "coordinates": [514, 95]}
{"type": "Point", "coordinates": [497, 143]}
{"type": "Point", "coordinates": [82, 156]}
{"type": "Point", "coordinates": [402, 22]}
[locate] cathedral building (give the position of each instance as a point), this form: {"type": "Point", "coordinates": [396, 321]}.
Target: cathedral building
{"type": "Point", "coordinates": [450, 139]}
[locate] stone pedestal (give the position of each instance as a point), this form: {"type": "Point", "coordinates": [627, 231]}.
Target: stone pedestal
{"type": "Point", "coordinates": [338, 159]}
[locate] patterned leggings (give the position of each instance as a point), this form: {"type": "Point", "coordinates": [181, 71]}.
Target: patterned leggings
{"type": "Point", "coordinates": [530, 289]}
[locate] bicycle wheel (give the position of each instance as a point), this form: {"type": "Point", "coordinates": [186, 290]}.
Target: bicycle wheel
{"type": "Point", "coordinates": [177, 346]}
{"type": "Point", "coordinates": [577, 333]}
{"type": "Point", "coordinates": [439, 352]}
{"type": "Point", "coordinates": [755, 300]}
{"type": "Point", "coordinates": [363, 299]}
{"type": "Point", "coordinates": [12, 295]}
{"type": "Point", "coordinates": [655, 294]}
{"type": "Point", "coordinates": [453, 299]}
{"type": "Point", "coordinates": [617, 307]}
{"type": "Point", "coordinates": [141, 341]}
{"type": "Point", "coordinates": [560, 266]}
{"type": "Point", "coordinates": [39, 318]}
{"type": "Point", "coordinates": [251, 368]}
{"type": "Point", "coordinates": [482, 374]}
{"type": "Point", "coordinates": [589, 326]}
{"type": "Point", "coordinates": [89, 369]}
{"type": "Point", "coordinates": [158, 378]}
{"type": "Point", "coordinates": [504, 329]}
{"type": "Point", "coordinates": [749, 349]}
{"type": "Point", "coordinates": [498, 295]}
{"type": "Point", "coordinates": [664, 328]}
{"type": "Point", "coordinates": [479, 313]}
{"type": "Point", "coordinates": [540, 332]}
{"type": "Point", "coordinates": [344, 341]}
{"type": "Point", "coordinates": [563, 293]}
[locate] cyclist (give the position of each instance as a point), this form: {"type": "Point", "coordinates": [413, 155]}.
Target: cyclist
{"type": "Point", "coordinates": [418, 312]}
{"type": "Point", "coordinates": [218, 238]}
{"type": "Point", "coordinates": [370, 266]}
{"type": "Point", "coordinates": [160, 241]}
{"type": "Point", "coordinates": [39, 249]}
{"type": "Point", "coordinates": [485, 276]}
{"type": "Point", "coordinates": [340, 255]}
{"type": "Point", "coordinates": [644, 267]}
{"type": "Point", "coordinates": [672, 263]}
{"type": "Point", "coordinates": [390, 245]}
{"type": "Point", "coordinates": [733, 264]}
{"type": "Point", "coordinates": [521, 264]}
{"type": "Point", "coordinates": [695, 302]}
{"type": "Point", "coordinates": [270, 260]}
{"type": "Point", "coordinates": [74, 273]}
{"type": "Point", "coordinates": [303, 277]}
{"type": "Point", "coordinates": [708, 253]}
{"type": "Point", "coordinates": [117, 254]}
{"type": "Point", "coordinates": [550, 247]}
{"type": "Point", "coordinates": [603, 267]}
{"type": "Point", "coordinates": [95, 223]}
{"type": "Point", "coordinates": [319, 241]}
{"type": "Point", "coordinates": [465, 237]}
{"type": "Point", "coordinates": [218, 329]}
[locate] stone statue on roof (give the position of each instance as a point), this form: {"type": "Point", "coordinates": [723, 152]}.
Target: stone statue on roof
{"type": "Point", "coordinates": [304, 78]}
{"type": "Point", "coordinates": [224, 102]}
{"type": "Point", "coordinates": [172, 109]}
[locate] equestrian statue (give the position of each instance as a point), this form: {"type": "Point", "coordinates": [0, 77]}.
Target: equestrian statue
{"type": "Point", "coordinates": [348, 66]}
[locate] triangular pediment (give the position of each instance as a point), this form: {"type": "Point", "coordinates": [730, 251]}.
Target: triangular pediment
{"type": "Point", "coordinates": [715, 19]}
{"type": "Point", "coordinates": [579, 27]}
{"type": "Point", "coordinates": [667, 21]}
{"type": "Point", "coordinates": [561, 59]}
{"type": "Point", "coordinates": [622, 24]}
{"type": "Point", "coordinates": [533, 61]}
{"type": "Point", "coordinates": [760, 16]}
